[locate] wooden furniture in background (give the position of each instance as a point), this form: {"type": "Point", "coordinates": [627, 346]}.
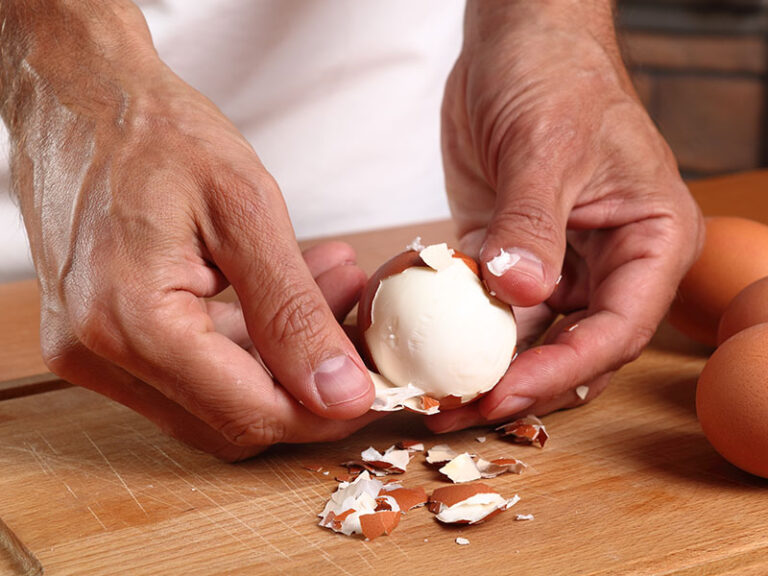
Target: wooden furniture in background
{"type": "Point", "coordinates": [700, 68]}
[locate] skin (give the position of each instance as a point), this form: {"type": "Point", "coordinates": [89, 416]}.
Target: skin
{"type": "Point", "coordinates": [549, 152]}
{"type": "Point", "coordinates": [142, 200]}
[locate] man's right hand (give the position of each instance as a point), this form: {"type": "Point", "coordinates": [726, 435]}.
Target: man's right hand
{"type": "Point", "coordinates": [141, 201]}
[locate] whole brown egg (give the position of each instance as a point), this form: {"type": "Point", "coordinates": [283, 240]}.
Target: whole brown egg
{"type": "Point", "coordinates": [749, 307]}
{"type": "Point", "coordinates": [732, 400]}
{"type": "Point", "coordinates": [735, 254]}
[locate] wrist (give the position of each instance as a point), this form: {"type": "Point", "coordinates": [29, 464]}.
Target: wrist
{"type": "Point", "coordinates": [510, 27]}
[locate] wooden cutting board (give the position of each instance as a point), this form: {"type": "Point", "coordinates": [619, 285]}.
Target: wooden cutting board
{"type": "Point", "coordinates": [627, 485]}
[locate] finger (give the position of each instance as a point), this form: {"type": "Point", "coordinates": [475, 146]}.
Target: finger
{"type": "Point", "coordinates": [77, 364]}
{"type": "Point", "coordinates": [531, 323]}
{"type": "Point", "coordinates": [525, 242]}
{"type": "Point", "coordinates": [634, 285]}
{"type": "Point", "coordinates": [458, 419]}
{"type": "Point", "coordinates": [570, 398]}
{"type": "Point", "coordinates": [341, 287]}
{"type": "Point", "coordinates": [288, 319]}
{"type": "Point", "coordinates": [228, 320]}
{"type": "Point", "coordinates": [572, 288]}
{"type": "Point", "coordinates": [326, 255]}
{"type": "Point", "coordinates": [470, 416]}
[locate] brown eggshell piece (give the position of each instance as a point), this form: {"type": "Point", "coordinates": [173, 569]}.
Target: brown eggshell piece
{"type": "Point", "coordinates": [732, 400]}
{"type": "Point", "coordinates": [408, 498]}
{"type": "Point", "coordinates": [733, 257]}
{"type": "Point", "coordinates": [748, 308]}
{"type": "Point", "coordinates": [395, 265]}
{"type": "Point", "coordinates": [379, 523]}
{"type": "Point", "coordinates": [451, 495]}
{"type": "Point", "coordinates": [526, 430]}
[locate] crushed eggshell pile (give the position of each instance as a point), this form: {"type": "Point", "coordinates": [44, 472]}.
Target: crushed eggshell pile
{"type": "Point", "coordinates": [363, 504]}
{"type": "Point", "coordinates": [354, 501]}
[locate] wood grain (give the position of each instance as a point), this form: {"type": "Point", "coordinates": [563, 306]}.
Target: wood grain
{"type": "Point", "coordinates": [20, 332]}
{"type": "Point", "coordinates": [627, 485]}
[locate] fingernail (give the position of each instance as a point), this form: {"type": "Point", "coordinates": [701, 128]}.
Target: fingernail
{"type": "Point", "coordinates": [339, 380]}
{"type": "Point", "coordinates": [510, 406]}
{"type": "Point", "coordinates": [521, 260]}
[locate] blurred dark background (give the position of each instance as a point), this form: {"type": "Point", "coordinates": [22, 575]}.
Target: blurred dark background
{"type": "Point", "coordinates": [700, 68]}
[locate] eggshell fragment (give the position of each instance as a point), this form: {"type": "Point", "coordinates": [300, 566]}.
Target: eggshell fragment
{"type": "Point", "coordinates": [468, 503]}
{"type": "Point", "coordinates": [498, 466]}
{"type": "Point", "coordinates": [390, 398]}
{"type": "Point", "coordinates": [407, 498]}
{"type": "Point", "coordinates": [527, 430]}
{"type": "Point", "coordinates": [461, 469]}
{"type": "Point", "coordinates": [391, 461]}
{"type": "Point", "coordinates": [440, 453]}
{"type": "Point", "coordinates": [379, 523]}
{"type": "Point", "coordinates": [461, 541]}
{"type": "Point", "coordinates": [732, 400]}
{"type": "Point", "coordinates": [410, 445]}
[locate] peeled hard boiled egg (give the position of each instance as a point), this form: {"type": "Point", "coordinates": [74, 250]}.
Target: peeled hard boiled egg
{"type": "Point", "coordinates": [732, 400]}
{"type": "Point", "coordinates": [433, 333]}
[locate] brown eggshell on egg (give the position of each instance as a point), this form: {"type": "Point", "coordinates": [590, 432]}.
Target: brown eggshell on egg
{"type": "Point", "coordinates": [732, 400]}
{"type": "Point", "coordinates": [734, 255]}
{"type": "Point", "coordinates": [749, 307]}
{"type": "Point", "coordinates": [395, 265]}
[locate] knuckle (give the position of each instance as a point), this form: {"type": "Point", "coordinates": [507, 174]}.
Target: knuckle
{"type": "Point", "coordinates": [260, 430]}
{"type": "Point", "coordinates": [59, 352]}
{"type": "Point", "coordinates": [300, 314]}
{"type": "Point", "coordinates": [534, 218]}
{"type": "Point", "coordinates": [636, 343]}
{"type": "Point", "coordinates": [91, 326]}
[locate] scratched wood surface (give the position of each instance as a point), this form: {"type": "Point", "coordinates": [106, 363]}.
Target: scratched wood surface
{"type": "Point", "coordinates": [627, 485]}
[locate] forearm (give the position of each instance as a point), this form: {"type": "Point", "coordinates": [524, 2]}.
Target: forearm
{"type": "Point", "coordinates": [71, 76]}
{"type": "Point", "coordinates": [501, 21]}
{"type": "Point", "coordinates": [74, 55]}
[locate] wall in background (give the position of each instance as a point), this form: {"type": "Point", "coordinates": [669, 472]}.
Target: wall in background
{"type": "Point", "coordinates": [700, 68]}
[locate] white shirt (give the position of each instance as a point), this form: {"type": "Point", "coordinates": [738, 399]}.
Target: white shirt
{"type": "Point", "coordinates": [339, 98]}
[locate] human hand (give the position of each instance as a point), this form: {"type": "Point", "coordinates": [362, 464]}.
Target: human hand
{"type": "Point", "coordinates": [552, 162]}
{"type": "Point", "coordinates": [141, 201]}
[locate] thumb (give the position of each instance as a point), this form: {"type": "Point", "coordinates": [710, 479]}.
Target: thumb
{"type": "Point", "coordinates": [289, 321]}
{"type": "Point", "coordinates": [524, 246]}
